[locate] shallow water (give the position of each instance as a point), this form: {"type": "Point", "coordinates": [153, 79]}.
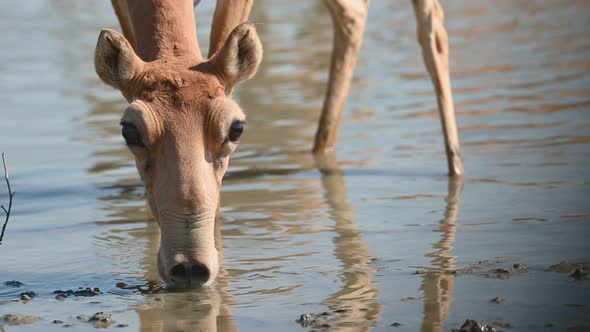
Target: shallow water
{"type": "Point", "coordinates": [369, 234]}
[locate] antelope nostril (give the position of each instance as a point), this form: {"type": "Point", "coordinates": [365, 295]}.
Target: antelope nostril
{"type": "Point", "coordinates": [179, 271]}
{"type": "Point", "coordinates": [200, 273]}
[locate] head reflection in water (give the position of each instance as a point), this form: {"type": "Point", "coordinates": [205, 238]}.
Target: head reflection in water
{"type": "Point", "coordinates": [181, 126]}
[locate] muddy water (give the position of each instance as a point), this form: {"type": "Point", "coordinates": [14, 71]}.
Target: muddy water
{"type": "Point", "coordinates": [373, 235]}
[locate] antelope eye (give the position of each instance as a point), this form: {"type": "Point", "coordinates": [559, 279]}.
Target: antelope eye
{"type": "Point", "coordinates": [131, 134]}
{"type": "Point", "coordinates": [235, 131]}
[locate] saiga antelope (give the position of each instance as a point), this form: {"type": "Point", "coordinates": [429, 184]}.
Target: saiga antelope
{"type": "Point", "coordinates": [181, 124]}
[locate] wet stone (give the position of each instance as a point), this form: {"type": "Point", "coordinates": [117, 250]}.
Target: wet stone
{"type": "Point", "coordinates": [410, 298]}
{"type": "Point", "coordinates": [500, 273]}
{"type": "Point", "coordinates": [396, 324]}
{"type": "Point", "coordinates": [314, 320]}
{"type": "Point", "coordinates": [474, 326]}
{"type": "Point", "coordinates": [497, 299]}
{"type": "Point", "coordinates": [85, 292]}
{"type": "Point", "coordinates": [143, 289]}
{"type": "Point", "coordinates": [18, 319]}
{"type": "Point", "coordinates": [102, 320]}
{"type": "Point", "coordinates": [28, 294]}
{"type": "Point", "coordinates": [122, 325]}
{"type": "Point", "coordinates": [519, 266]}
{"type": "Point", "coordinates": [580, 273]}
{"type": "Point", "coordinates": [57, 321]}
{"type": "Point", "coordinates": [13, 283]}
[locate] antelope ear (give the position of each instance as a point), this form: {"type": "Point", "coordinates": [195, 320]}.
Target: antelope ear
{"type": "Point", "coordinates": [114, 59]}
{"type": "Point", "coordinates": [240, 56]}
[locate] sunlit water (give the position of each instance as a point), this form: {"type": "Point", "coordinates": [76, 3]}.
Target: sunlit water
{"type": "Point", "coordinates": [343, 234]}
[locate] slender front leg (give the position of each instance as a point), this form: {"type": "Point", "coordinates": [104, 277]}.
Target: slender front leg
{"type": "Point", "coordinates": [432, 36]}
{"type": "Point", "coordinates": [348, 18]}
{"type": "Point", "coordinates": [228, 15]}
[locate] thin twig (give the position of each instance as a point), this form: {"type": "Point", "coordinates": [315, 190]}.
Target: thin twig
{"type": "Point", "coordinates": [10, 195]}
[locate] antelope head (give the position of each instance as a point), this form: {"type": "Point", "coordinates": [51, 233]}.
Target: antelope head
{"type": "Point", "coordinates": [181, 125]}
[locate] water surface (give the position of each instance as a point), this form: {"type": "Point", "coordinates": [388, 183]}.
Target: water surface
{"type": "Point", "coordinates": [344, 234]}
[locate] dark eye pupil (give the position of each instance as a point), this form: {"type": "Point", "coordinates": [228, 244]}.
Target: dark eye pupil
{"type": "Point", "coordinates": [235, 131]}
{"type": "Point", "coordinates": [130, 134]}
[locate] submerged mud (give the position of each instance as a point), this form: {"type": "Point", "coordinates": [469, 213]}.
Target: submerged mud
{"type": "Point", "coordinates": [97, 320]}
{"type": "Point", "coordinates": [488, 268]}
{"type": "Point", "coordinates": [19, 319]}
{"type": "Point", "coordinates": [577, 271]}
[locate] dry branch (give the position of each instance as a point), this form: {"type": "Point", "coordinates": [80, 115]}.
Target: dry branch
{"type": "Point", "coordinates": [10, 195]}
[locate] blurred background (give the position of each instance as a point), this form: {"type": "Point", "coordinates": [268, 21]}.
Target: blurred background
{"type": "Point", "coordinates": [369, 234]}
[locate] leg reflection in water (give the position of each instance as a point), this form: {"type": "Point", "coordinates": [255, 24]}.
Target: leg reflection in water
{"type": "Point", "coordinates": [437, 285]}
{"type": "Point", "coordinates": [357, 300]}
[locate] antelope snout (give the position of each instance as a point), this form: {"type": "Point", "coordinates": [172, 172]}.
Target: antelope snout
{"type": "Point", "coordinates": [187, 255]}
